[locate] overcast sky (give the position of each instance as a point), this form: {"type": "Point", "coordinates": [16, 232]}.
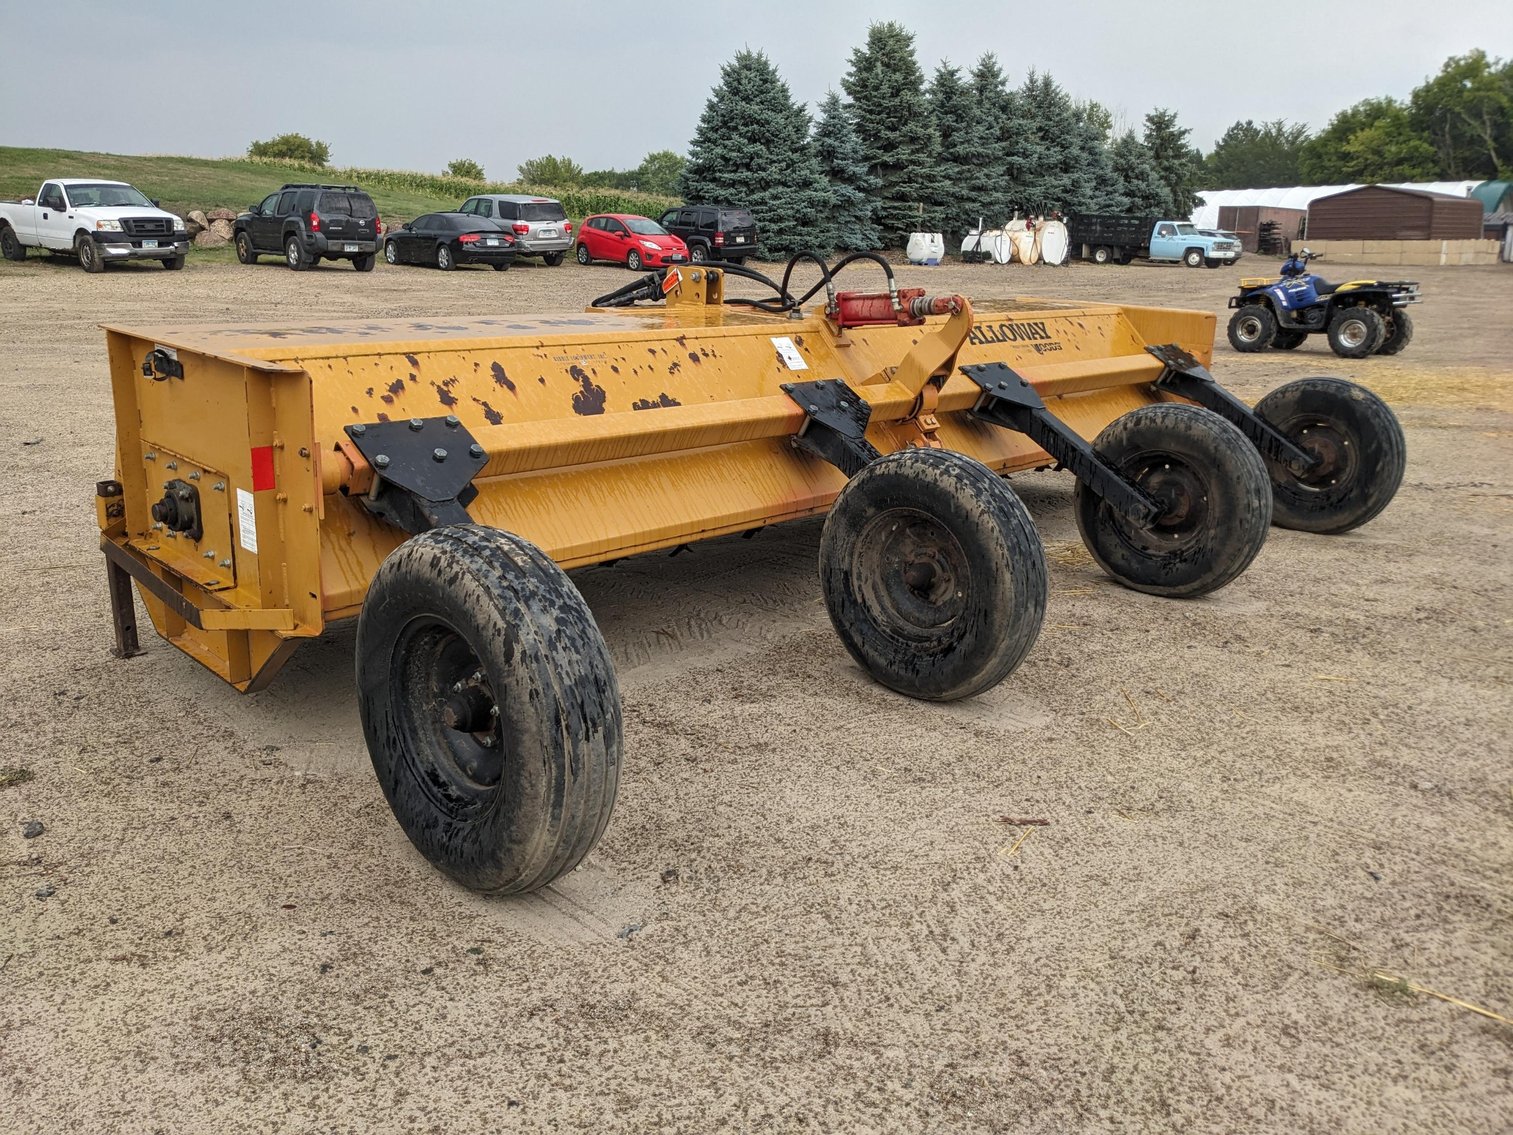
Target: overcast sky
{"type": "Point", "coordinates": [413, 85]}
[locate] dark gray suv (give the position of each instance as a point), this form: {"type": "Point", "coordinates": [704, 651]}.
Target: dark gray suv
{"type": "Point", "coordinates": [713, 232]}
{"type": "Point", "coordinates": [540, 224]}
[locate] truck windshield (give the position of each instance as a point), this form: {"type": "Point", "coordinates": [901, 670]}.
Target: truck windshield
{"type": "Point", "coordinates": [1187, 230]}
{"type": "Point", "coordinates": [88, 196]}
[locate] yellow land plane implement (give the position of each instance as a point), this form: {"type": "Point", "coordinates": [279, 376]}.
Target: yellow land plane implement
{"type": "Point", "coordinates": [434, 478]}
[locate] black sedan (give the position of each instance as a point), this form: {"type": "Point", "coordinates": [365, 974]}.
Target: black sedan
{"type": "Point", "coordinates": [449, 239]}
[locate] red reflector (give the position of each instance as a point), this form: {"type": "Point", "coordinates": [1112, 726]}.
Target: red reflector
{"type": "Point", "coordinates": [262, 468]}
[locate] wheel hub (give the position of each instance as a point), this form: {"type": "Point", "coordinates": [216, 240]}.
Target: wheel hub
{"type": "Point", "coordinates": [912, 572]}
{"type": "Point", "coordinates": [1334, 457]}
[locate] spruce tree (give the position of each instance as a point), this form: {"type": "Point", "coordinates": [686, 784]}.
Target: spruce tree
{"type": "Point", "coordinates": [968, 183]}
{"type": "Point", "coordinates": [1138, 179]}
{"type": "Point", "coordinates": [1177, 163]}
{"type": "Point", "coordinates": [752, 149]}
{"type": "Point", "coordinates": [1008, 151]}
{"type": "Point", "coordinates": [886, 89]}
{"type": "Point", "coordinates": [839, 152]}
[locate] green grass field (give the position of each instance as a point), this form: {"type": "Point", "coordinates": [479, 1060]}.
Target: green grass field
{"type": "Point", "coordinates": [182, 183]}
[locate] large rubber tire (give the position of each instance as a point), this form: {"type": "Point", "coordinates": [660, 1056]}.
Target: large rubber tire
{"type": "Point", "coordinates": [697, 253]}
{"type": "Point", "coordinates": [633, 260]}
{"type": "Point", "coordinates": [245, 253]}
{"type": "Point", "coordinates": [294, 254]}
{"type": "Point", "coordinates": [89, 254]}
{"type": "Point", "coordinates": [391, 252]}
{"type": "Point", "coordinates": [444, 259]}
{"type": "Point", "coordinates": [1102, 255]}
{"type": "Point", "coordinates": [583, 256]}
{"type": "Point", "coordinates": [933, 574]}
{"type": "Point", "coordinates": [459, 621]}
{"type": "Point", "coordinates": [1193, 258]}
{"type": "Point", "coordinates": [1399, 333]}
{"type": "Point", "coordinates": [1356, 332]}
{"type": "Point", "coordinates": [552, 259]}
{"type": "Point", "coordinates": [1359, 443]}
{"type": "Point", "coordinates": [501, 267]}
{"type": "Point", "coordinates": [10, 244]}
{"type": "Point", "coordinates": [365, 263]}
{"type": "Point", "coordinates": [1211, 262]}
{"type": "Point", "coordinates": [1252, 328]}
{"type": "Point", "coordinates": [174, 263]}
{"type": "Point", "coordinates": [1215, 489]}
{"type": "Point", "coordinates": [1288, 340]}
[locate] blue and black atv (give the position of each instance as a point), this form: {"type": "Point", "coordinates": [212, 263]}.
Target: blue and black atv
{"type": "Point", "coordinates": [1361, 317]}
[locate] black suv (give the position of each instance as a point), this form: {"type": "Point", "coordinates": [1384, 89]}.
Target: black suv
{"type": "Point", "coordinates": [309, 223]}
{"type": "Point", "coordinates": [713, 232]}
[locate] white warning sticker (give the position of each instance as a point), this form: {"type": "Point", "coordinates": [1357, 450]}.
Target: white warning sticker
{"type": "Point", "coordinates": [246, 520]}
{"type": "Point", "coordinates": [789, 354]}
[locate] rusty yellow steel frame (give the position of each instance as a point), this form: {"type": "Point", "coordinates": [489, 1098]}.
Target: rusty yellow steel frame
{"type": "Point", "coordinates": [608, 433]}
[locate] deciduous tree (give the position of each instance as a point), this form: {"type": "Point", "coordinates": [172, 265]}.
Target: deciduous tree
{"type": "Point", "coordinates": [1252, 155]}
{"type": "Point", "coordinates": [551, 170]}
{"type": "Point", "coordinates": [293, 148]}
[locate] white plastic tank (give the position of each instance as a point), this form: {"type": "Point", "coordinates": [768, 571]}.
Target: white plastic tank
{"type": "Point", "coordinates": [993, 244]}
{"type": "Point", "coordinates": [926, 248]}
{"type": "Point", "coordinates": [1054, 243]}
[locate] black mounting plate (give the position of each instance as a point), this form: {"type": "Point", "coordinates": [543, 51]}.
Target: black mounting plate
{"type": "Point", "coordinates": [423, 469]}
{"type": "Point", "coordinates": [836, 426]}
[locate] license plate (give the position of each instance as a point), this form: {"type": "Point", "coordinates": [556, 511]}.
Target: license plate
{"type": "Point", "coordinates": [740, 240]}
{"type": "Point", "coordinates": [349, 248]}
{"type": "Point", "coordinates": [547, 233]}
{"type": "Point", "coordinates": [149, 244]}
{"type": "Point", "coordinates": [491, 241]}
{"type": "Point", "coordinates": [676, 258]}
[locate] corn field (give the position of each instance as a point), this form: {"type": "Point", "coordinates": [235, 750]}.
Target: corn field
{"type": "Point", "coordinates": [579, 201]}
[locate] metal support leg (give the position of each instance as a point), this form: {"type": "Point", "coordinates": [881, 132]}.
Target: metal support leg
{"type": "Point", "coordinates": [123, 610]}
{"type": "Point", "coordinates": [1011, 402]}
{"type": "Point", "coordinates": [836, 426]}
{"type": "Point", "coordinates": [1186, 377]}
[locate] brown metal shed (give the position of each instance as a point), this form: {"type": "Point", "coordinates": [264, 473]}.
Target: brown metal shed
{"type": "Point", "coordinates": [1246, 220]}
{"type": "Point", "coordinates": [1380, 212]}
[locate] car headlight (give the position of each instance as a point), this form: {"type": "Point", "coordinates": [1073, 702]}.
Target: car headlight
{"type": "Point", "coordinates": [650, 246]}
{"type": "Point", "coordinates": [108, 226]}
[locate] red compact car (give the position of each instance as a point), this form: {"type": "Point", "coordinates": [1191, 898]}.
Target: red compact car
{"type": "Point", "coordinates": [636, 242]}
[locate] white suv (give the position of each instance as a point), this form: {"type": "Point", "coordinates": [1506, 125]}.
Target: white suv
{"type": "Point", "coordinates": [540, 224]}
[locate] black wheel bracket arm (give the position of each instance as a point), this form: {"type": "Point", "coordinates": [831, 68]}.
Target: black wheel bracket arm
{"type": "Point", "coordinates": [1186, 377]}
{"type": "Point", "coordinates": [835, 425]}
{"type": "Point", "coordinates": [423, 471]}
{"type": "Point", "coordinates": [1010, 401]}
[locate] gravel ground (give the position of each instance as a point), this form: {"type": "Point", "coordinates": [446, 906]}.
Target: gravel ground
{"type": "Point", "coordinates": [811, 911]}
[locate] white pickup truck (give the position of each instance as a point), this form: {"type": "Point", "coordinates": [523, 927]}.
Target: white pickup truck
{"type": "Point", "coordinates": [98, 221]}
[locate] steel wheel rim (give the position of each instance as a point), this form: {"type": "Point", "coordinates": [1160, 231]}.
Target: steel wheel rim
{"type": "Point", "coordinates": [1249, 329]}
{"type": "Point", "coordinates": [1353, 332]}
{"type": "Point", "coordinates": [87, 253]}
{"type": "Point", "coordinates": [291, 253]}
{"type": "Point", "coordinates": [1183, 494]}
{"type": "Point", "coordinates": [444, 699]}
{"type": "Point", "coordinates": [1337, 453]}
{"type": "Point", "coordinates": [912, 575]}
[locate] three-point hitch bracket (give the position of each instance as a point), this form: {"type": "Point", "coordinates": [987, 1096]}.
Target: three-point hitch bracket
{"type": "Point", "coordinates": [1187, 378]}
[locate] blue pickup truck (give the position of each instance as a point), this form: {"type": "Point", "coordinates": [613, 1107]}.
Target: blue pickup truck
{"type": "Point", "coordinates": [1107, 237]}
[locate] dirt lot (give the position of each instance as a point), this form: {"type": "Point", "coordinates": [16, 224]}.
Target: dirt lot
{"type": "Point", "coordinates": [808, 913]}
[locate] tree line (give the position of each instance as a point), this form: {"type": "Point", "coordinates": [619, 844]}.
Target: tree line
{"type": "Point", "coordinates": [1457, 125]}
{"type": "Point", "coordinates": [891, 154]}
